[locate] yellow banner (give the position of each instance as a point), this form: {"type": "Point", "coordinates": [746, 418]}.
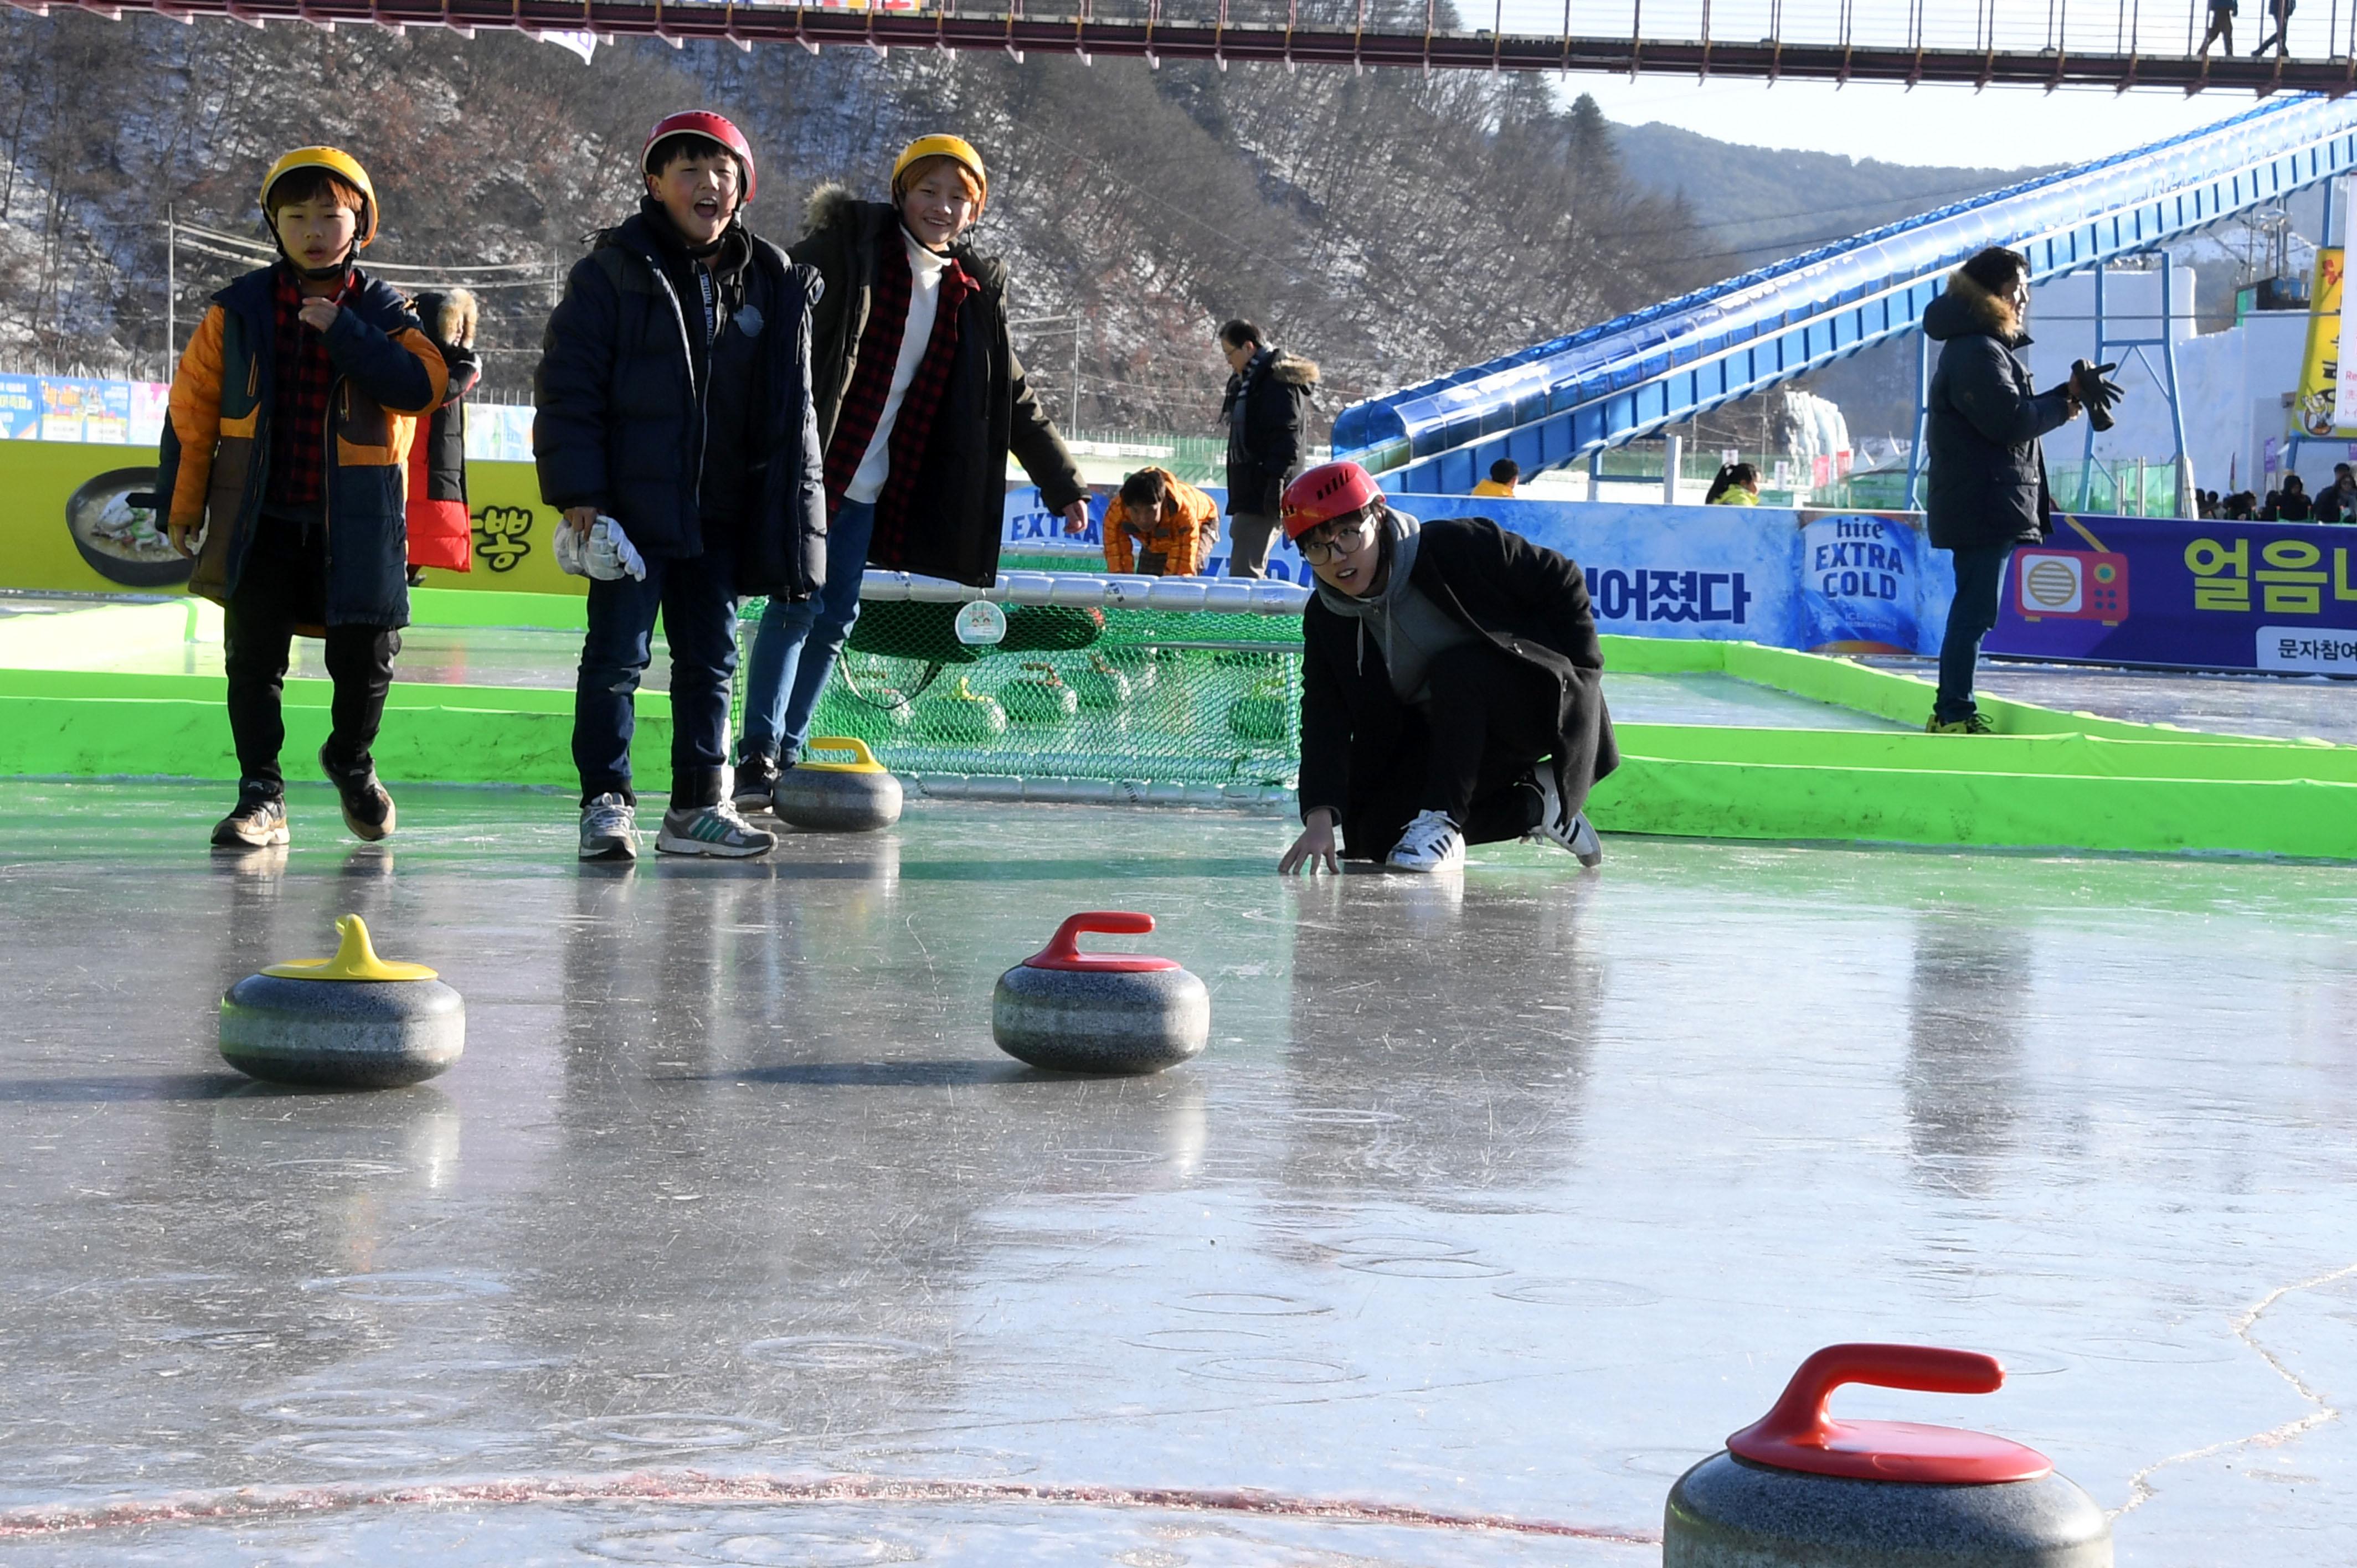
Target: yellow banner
{"type": "Point", "coordinates": [67, 526]}
{"type": "Point", "coordinates": [2314, 412]}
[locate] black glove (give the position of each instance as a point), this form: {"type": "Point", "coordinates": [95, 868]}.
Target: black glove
{"type": "Point", "coordinates": [2092, 386]}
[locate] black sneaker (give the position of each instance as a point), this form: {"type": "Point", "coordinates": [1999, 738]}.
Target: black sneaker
{"type": "Point", "coordinates": [259, 822]}
{"type": "Point", "coordinates": [368, 810]}
{"type": "Point", "coordinates": [756, 781]}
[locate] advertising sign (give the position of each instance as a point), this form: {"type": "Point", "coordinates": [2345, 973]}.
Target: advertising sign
{"type": "Point", "coordinates": [1829, 582]}
{"type": "Point", "coordinates": [1861, 584]}
{"type": "Point", "coordinates": [1031, 529]}
{"type": "Point", "coordinates": [2327, 377]}
{"type": "Point", "coordinates": [2206, 595]}
{"type": "Point", "coordinates": [20, 408]}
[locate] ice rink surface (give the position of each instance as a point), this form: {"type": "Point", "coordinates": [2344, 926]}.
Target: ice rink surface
{"type": "Point", "coordinates": [1494, 1202]}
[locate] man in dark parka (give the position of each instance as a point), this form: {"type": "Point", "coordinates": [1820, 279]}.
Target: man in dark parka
{"type": "Point", "coordinates": [1452, 684]}
{"type": "Point", "coordinates": [1265, 409]}
{"type": "Point", "coordinates": [1987, 490]}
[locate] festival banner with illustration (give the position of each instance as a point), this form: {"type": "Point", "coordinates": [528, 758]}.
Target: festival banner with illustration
{"type": "Point", "coordinates": [2206, 595]}
{"type": "Point", "coordinates": [2327, 376]}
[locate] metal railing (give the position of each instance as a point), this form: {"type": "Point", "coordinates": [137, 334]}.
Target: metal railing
{"type": "Point", "coordinates": [2118, 44]}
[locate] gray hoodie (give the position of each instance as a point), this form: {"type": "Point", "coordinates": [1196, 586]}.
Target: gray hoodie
{"type": "Point", "coordinates": [1410, 628]}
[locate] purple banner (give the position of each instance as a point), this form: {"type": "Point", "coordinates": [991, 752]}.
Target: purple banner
{"type": "Point", "coordinates": [2210, 595]}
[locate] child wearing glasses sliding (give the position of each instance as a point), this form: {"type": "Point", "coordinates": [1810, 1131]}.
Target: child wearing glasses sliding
{"type": "Point", "coordinates": [1452, 684]}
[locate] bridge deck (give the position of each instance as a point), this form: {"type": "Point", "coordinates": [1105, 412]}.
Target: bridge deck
{"type": "Point", "coordinates": [2121, 46]}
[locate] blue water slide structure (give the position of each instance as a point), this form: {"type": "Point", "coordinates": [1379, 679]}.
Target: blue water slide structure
{"type": "Point", "coordinates": [1625, 379]}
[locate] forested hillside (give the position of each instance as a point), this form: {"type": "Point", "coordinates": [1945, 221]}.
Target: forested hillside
{"type": "Point", "coordinates": [1389, 225]}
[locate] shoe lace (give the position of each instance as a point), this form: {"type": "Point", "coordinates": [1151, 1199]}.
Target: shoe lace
{"type": "Point", "coordinates": [1430, 831]}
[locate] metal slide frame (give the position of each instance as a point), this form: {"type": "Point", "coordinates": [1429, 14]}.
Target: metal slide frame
{"type": "Point", "coordinates": [1623, 380]}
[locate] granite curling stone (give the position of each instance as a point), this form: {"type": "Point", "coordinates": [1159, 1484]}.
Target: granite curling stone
{"type": "Point", "coordinates": [353, 1021]}
{"type": "Point", "coordinates": [1800, 1489]}
{"type": "Point", "coordinates": [1070, 1010]}
{"type": "Point", "coordinates": [855, 797]}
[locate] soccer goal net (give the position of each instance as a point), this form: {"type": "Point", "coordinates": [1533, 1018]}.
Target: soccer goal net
{"type": "Point", "coordinates": [1080, 687]}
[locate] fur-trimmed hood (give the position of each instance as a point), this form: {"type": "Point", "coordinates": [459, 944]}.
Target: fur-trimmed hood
{"type": "Point", "coordinates": [1293, 369]}
{"type": "Point", "coordinates": [1965, 309]}
{"type": "Point", "coordinates": [450, 317]}
{"type": "Point", "coordinates": [831, 207]}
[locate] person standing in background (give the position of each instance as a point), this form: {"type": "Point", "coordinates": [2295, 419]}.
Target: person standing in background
{"type": "Point", "coordinates": [2221, 28]}
{"type": "Point", "coordinates": [1504, 474]}
{"type": "Point", "coordinates": [1988, 490]}
{"type": "Point", "coordinates": [1268, 391]}
{"type": "Point", "coordinates": [441, 533]}
{"type": "Point", "coordinates": [1738, 484]}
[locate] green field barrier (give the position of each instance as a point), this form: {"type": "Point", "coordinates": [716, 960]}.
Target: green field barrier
{"type": "Point", "coordinates": [2050, 780]}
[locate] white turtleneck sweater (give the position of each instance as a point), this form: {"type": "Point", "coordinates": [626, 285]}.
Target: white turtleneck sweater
{"type": "Point", "coordinates": [925, 269]}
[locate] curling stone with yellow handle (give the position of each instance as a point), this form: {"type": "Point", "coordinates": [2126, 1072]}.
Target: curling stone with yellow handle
{"type": "Point", "coordinates": [845, 790]}
{"type": "Point", "coordinates": [353, 1021]}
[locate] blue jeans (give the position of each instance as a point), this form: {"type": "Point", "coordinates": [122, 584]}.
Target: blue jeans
{"type": "Point", "coordinates": [698, 596]}
{"type": "Point", "coordinates": [794, 651]}
{"type": "Point", "coordinates": [1979, 571]}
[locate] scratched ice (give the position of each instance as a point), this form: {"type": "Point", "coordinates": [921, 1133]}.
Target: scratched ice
{"type": "Point", "coordinates": [734, 1239]}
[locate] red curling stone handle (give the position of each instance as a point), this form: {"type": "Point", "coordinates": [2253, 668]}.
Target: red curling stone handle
{"type": "Point", "coordinates": [1800, 1434]}
{"type": "Point", "coordinates": [1063, 949]}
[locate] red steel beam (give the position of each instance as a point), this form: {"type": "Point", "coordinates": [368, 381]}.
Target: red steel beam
{"type": "Point", "coordinates": [1164, 38]}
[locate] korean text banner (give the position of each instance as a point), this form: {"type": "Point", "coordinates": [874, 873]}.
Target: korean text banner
{"type": "Point", "coordinates": [2208, 595]}
{"type": "Point", "coordinates": [1824, 581]}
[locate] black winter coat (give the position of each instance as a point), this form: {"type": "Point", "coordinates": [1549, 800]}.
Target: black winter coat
{"type": "Point", "coordinates": [1528, 601]}
{"type": "Point", "coordinates": [987, 413]}
{"type": "Point", "coordinates": [1987, 472]}
{"type": "Point", "coordinates": [1265, 442]}
{"type": "Point", "coordinates": [620, 422]}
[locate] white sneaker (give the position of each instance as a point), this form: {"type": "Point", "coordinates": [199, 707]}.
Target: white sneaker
{"type": "Point", "coordinates": [609, 829]}
{"type": "Point", "coordinates": [1431, 843]}
{"type": "Point", "coordinates": [1575, 836]}
{"type": "Point", "coordinates": [712, 829]}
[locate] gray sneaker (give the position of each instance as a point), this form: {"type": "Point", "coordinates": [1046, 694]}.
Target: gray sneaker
{"type": "Point", "coordinates": [719, 830]}
{"type": "Point", "coordinates": [259, 822]}
{"type": "Point", "coordinates": [609, 829]}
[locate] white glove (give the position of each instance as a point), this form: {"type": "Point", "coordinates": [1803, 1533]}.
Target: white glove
{"type": "Point", "coordinates": [569, 551]}
{"type": "Point", "coordinates": [607, 554]}
{"type": "Point", "coordinates": [612, 554]}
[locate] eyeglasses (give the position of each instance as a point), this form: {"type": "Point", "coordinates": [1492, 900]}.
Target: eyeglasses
{"type": "Point", "coordinates": [1320, 545]}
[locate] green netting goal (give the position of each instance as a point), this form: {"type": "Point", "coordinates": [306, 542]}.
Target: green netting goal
{"type": "Point", "coordinates": [1117, 686]}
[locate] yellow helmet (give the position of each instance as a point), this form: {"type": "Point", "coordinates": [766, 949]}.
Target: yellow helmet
{"type": "Point", "coordinates": [341, 164]}
{"type": "Point", "coordinates": [955, 148]}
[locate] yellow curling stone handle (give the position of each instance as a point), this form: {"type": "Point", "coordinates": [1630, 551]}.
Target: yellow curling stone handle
{"type": "Point", "coordinates": [354, 959]}
{"type": "Point", "coordinates": [863, 760]}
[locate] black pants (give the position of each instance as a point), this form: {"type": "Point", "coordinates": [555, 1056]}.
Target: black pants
{"type": "Point", "coordinates": [1980, 571]}
{"type": "Point", "coordinates": [284, 585]}
{"type": "Point", "coordinates": [1466, 751]}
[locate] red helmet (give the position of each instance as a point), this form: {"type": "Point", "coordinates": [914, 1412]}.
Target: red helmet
{"type": "Point", "coordinates": [702, 123]}
{"type": "Point", "coordinates": [1326, 492]}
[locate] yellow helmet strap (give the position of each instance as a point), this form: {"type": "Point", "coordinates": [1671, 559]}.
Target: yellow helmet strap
{"type": "Point", "coordinates": [319, 274]}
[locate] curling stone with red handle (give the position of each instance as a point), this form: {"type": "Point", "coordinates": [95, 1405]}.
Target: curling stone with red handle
{"type": "Point", "coordinates": [1070, 1011]}
{"type": "Point", "coordinates": [1800, 1489]}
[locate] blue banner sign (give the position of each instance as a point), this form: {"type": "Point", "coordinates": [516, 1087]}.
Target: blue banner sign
{"type": "Point", "coordinates": [1030, 526]}
{"type": "Point", "coordinates": [1828, 582]}
{"type": "Point", "coordinates": [2192, 595]}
